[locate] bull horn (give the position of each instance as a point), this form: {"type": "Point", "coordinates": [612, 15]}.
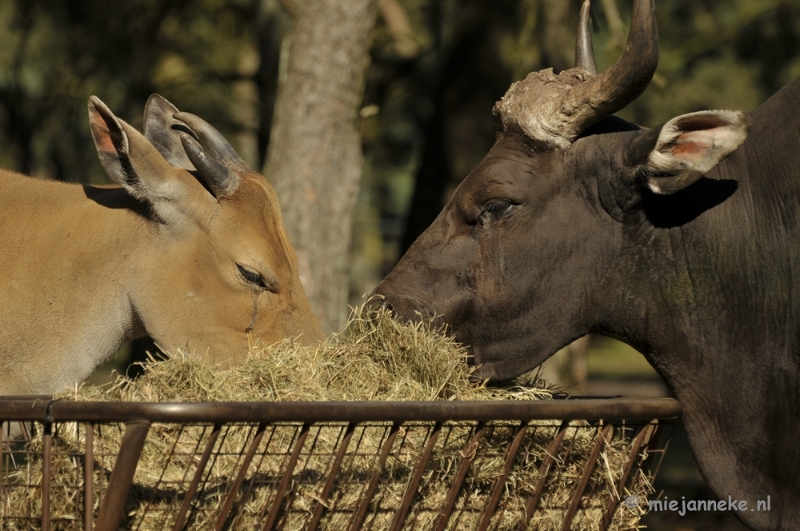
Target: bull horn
{"type": "Point", "coordinates": [584, 52]}
{"type": "Point", "coordinates": [623, 82]}
{"type": "Point", "coordinates": [220, 149]}
{"type": "Point", "coordinates": [221, 181]}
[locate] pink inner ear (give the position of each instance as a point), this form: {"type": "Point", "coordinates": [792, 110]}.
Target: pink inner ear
{"type": "Point", "coordinates": [695, 145]}
{"type": "Point", "coordinates": [105, 139]}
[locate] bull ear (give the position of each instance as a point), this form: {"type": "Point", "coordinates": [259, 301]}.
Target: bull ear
{"type": "Point", "coordinates": [132, 162]}
{"type": "Point", "coordinates": [676, 154]}
{"type": "Point", "coordinates": [163, 131]}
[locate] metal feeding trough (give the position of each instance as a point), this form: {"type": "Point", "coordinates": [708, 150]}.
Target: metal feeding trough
{"type": "Point", "coordinates": [544, 464]}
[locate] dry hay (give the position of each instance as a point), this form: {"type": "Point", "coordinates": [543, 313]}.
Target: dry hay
{"type": "Point", "coordinates": [369, 360]}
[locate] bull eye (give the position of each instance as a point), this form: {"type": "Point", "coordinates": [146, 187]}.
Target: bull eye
{"type": "Point", "coordinates": [252, 277]}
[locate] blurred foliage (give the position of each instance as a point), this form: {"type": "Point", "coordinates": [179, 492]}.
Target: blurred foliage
{"type": "Point", "coordinates": [54, 54]}
{"type": "Point", "coordinates": [438, 66]}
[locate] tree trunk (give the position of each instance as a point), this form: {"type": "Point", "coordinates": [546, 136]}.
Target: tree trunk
{"type": "Point", "coordinates": [314, 157]}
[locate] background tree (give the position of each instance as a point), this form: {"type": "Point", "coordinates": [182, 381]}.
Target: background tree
{"type": "Point", "coordinates": [314, 159]}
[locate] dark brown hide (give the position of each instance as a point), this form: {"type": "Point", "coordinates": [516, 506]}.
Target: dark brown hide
{"type": "Point", "coordinates": [675, 240]}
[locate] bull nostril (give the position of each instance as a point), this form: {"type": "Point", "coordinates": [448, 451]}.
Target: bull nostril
{"type": "Point", "coordinates": [377, 304]}
{"type": "Point", "coordinates": [402, 307]}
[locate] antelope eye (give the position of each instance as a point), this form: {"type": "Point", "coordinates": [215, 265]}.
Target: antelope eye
{"type": "Point", "coordinates": [497, 208]}
{"type": "Point", "coordinates": [251, 276]}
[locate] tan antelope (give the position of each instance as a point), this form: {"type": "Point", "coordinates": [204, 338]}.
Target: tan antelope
{"type": "Point", "coordinates": [196, 258]}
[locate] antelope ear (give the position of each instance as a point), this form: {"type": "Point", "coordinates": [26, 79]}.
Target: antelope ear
{"type": "Point", "coordinates": [676, 154]}
{"type": "Point", "coordinates": [163, 131]}
{"type": "Point", "coordinates": [110, 140]}
{"type": "Point", "coordinates": [132, 162]}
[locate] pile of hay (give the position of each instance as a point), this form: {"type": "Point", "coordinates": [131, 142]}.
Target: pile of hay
{"type": "Point", "coordinates": [379, 359]}
{"type": "Point", "coordinates": [371, 359]}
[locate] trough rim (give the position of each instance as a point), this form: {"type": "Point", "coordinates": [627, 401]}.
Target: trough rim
{"type": "Point", "coordinates": [45, 409]}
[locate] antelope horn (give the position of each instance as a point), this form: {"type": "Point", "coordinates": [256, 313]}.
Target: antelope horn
{"type": "Point", "coordinates": [221, 180]}
{"type": "Point", "coordinates": [220, 149]}
{"type": "Point", "coordinates": [584, 52]}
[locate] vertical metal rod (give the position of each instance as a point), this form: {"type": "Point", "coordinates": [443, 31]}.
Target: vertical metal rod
{"type": "Point", "coordinates": [5, 450]}
{"type": "Point", "coordinates": [466, 459]}
{"type": "Point", "coordinates": [544, 470]}
{"type": "Point", "coordinates": [613, 502]}
{"type": "Point", "coordinates": [253, 483]}
{"type": "Point", "coordinates": [287, 476]}
{"type": "Point", "coordinates": [179, 491]}
{"type": "Point", "coordinates": [511, 454]}
{"type": "Point", "coordinates": [251, 451]}
{"type": "Point", "coordinates": [113, 503]}
{"type": "Point", "coordinates": [411, 490]}
{"type": "Point", "coordinates": [154, 492]}
{"type": "Point", "coordinates": [326, 489]}
{"type": "Point", "coordinates": [358, 521]}
{"type": "Point", "coordinates": [88, 478]}
{"type": "Point", "coordinates": [105, 462]}
{"type": "Point", "coordinates": [46, 453]}
{"type": "Point", "coordinates": [180, 518]}
{"type": "Point", "coordinates": [652, 449]}
{"type": "Point", "coordinates": [602, 439]}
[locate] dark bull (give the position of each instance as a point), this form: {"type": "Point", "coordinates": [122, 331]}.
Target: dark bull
{"type": "Point", "coordinates": [670, 239]}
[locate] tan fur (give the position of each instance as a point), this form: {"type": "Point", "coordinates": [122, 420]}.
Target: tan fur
{"type": "Point", "coordinates": [84, 269]}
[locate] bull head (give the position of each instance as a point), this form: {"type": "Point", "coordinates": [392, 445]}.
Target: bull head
{"type": "Point", "coordinates": [530, 252]}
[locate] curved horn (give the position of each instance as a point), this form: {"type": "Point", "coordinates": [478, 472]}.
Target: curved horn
{"type": "Point", "coordinates": [611, 91]}
{"type": "Point", "coordinates": [221, 180]}
{"type": "Point", "coordinates": [584, 52]}
{"type": "Point", "coordinates": [157, 128]}
{"type": "Point", "coordinates": [219, 148]}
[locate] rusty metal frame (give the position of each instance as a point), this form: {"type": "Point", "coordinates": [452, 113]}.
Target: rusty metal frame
{"type": "Point", "coordinates": [139, 416]}
{"type": "Point", "coordinates": [34, 409]}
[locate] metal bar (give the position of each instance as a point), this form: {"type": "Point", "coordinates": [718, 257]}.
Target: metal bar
{"type": "Point", "coordinates": [36, 408]}
{"type": "Point", "coordinates": [326, 489]}
{"type": "Point", "coordinates": [164, 467]}
{"type": "Point", "coordinates": [33, 407]}
{"type": "Point", "coordinates": [3, 466]}
{"type": "Point", "coordinates": [613, 501]}
{"type": "Point", "coordinates": [652, 449]}
{"type": "Point", "coordinates": [287, 476]}
{"type": "Point", "coordinates": [481, 411]}
{"type": "Point", "coordinates": [253, 482]}
{"type": "Point", "coordinates": [46, 454]}
{"type": "Point", "coordinates": [602, 439]}
{"type": "Point", "coordinates": [358, 521]}
{"type": "Point", "coordinates": [411, 490]}
{"type": "Point", "coordinates": [251, 451]}
{"type": "Point", "coordinates": [113, 502]}
{"type": "Point", "coordinates": [5, 451]}
{"type": "Point", "coordinates": [88, 479]}
{"type": "Point", "coordinates": [544, 470]}
{"type": "Point", "coordinates": [511, 454]}
{"type": "Point", "coordinates": [180, 519]}
{"type": "Point", "coordinates": [466, 459]}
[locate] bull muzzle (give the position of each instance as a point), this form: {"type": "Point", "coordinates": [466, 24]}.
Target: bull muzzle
{"type": "Point", "coordinates": [403, 307]}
